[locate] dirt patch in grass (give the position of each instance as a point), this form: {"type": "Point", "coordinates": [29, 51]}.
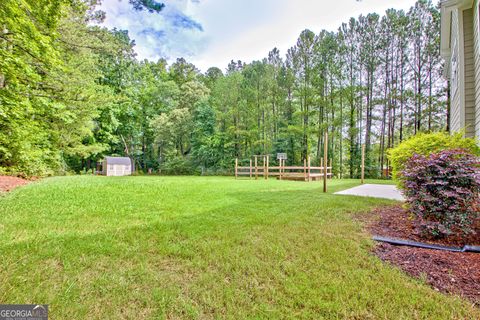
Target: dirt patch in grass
{"type": "Point", "coordinates": [8, 183]}
{"type": "Point", "coordinates": [450, 272]}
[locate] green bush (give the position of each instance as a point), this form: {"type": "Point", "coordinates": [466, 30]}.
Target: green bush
{"type": "Point", "coordinates": [442, 190]}
{"type": "Point", "coordinates": [178, 166]}
{"type": "Point", "coordinates": [425, 144]}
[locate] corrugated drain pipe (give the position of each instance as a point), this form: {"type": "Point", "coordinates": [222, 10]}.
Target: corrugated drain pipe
{"type": "Point", "coordinates": [401, 242]}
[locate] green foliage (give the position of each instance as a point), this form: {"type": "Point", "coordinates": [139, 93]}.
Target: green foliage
{"type": "Point", "coordinates": [177, 165]}
{"type": "Point", "coordinates": [425, 144]}
{"type": "Point", "coordinates": [27, 54]}
{"type": "Point", "coordinates": [206, 152]}
{"type": "Point", "coordinates": [149, 5]}
{"type": "Point", "coordinates": [443, 191]}
{"type": "Point", "coordinates": [50, 95]}
{"type": "Point", "coordinates": [72, 92]}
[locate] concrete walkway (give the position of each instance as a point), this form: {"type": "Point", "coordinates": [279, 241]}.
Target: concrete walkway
{"type": "Point", "coordinates": [375, 191]}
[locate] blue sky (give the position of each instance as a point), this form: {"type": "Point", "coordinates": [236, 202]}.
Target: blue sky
{"type": "Point", "coordinates": [213, 32]}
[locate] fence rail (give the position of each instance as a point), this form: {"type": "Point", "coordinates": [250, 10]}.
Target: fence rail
{"type": "Point", "coordinates": [305, 172]}
{"type": "Point", "coordinates": [290, 172]}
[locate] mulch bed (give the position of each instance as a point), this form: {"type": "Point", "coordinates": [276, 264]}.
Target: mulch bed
{"type": "Point", "coordinates": [450, 272]}
{"type": "Point", "coordinates": [8, 183]}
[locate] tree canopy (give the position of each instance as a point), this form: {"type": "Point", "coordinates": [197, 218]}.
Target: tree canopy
{"type": "Point", "coordinates": [72, 92]}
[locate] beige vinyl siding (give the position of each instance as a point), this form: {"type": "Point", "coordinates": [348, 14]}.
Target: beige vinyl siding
{"type": "Point", "coordinates": [469, 73]}
{"type": "Point", "coordinates": [476, 53]}
{"type": "Point", "coordinates": [455, 108]}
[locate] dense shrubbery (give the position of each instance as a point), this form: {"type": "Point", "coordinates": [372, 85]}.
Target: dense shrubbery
{"type": "Point", "coordinates": [185, 166]}
{"type": "Point", "coordinates": [426, 144]}
{"type": "Point", "coordinates": [442, 190]}
{"type": "Point", "coordinates": [178, 166]}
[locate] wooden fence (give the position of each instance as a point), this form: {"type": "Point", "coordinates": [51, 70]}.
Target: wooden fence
{"type": "Point", "coordinates": [307, 172]}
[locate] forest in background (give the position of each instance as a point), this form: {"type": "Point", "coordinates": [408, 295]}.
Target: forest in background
{"type": "Point", "coordinates": [72, 92]}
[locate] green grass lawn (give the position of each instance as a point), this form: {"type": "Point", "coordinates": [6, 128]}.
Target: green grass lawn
{"type": "Point", "coordinates": [193, 247]}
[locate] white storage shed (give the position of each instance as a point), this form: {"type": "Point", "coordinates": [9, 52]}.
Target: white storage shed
{"type": "Point", "coordinates": [117, 166]}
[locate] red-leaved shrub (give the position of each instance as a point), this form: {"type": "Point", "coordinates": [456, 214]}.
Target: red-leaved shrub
{"type": "Point", "coordinates": [442, 190]}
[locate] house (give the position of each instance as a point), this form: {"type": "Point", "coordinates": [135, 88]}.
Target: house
{"type": "Point", "coordinates": [460, 47]}
{"type": "Point", "coordinates": [117, 166]}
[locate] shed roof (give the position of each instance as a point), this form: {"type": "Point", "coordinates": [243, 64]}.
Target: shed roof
{"type": "Point", "coordinates": [119, 160]}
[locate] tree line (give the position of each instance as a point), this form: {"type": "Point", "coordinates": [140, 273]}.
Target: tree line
{"type": "Point", "coordinates": [72, 92]}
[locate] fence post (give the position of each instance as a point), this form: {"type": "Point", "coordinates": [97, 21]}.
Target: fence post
{"type": "Point", "coordinates": [309, 169]}
{"type": "Point", "coordinates": [268, 168]}
{"type": "Point", "coordinates": [280, 170]}
{"type": "Point", "coordinates": [331, 169]}
{"type": "Point", "coordinates": [264, 166]}
{"type": "Point", "coordinates": [236, 168]}
{"type": "Point", "coordinates": [321, 165]}
{"type": "Point", "coordinates": [256, 168]}
{"type": "Point", "coordinates": [250, 168]}
{"type": "Point", "coordinates": [305, 169]}
{"type": "Point", "coordinates": [363, 163]}
{"type": "Point", "coordinates": [325, 161]}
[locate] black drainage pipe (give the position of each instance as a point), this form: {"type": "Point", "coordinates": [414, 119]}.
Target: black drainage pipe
{"type": "Point", "coordinates": [400, 242]}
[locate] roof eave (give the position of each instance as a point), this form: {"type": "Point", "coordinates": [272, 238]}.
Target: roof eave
{"type": "Point", "coordinates": [447, 7]}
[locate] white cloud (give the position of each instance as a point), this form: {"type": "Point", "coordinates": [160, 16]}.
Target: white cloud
{"type": "Point", "coordinates": [170, 34]}
{"type": "Point", "coordinates": [230, 29]}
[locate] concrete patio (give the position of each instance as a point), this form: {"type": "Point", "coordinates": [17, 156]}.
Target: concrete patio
{"type": "Point", "coordinates": [375, 191]}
